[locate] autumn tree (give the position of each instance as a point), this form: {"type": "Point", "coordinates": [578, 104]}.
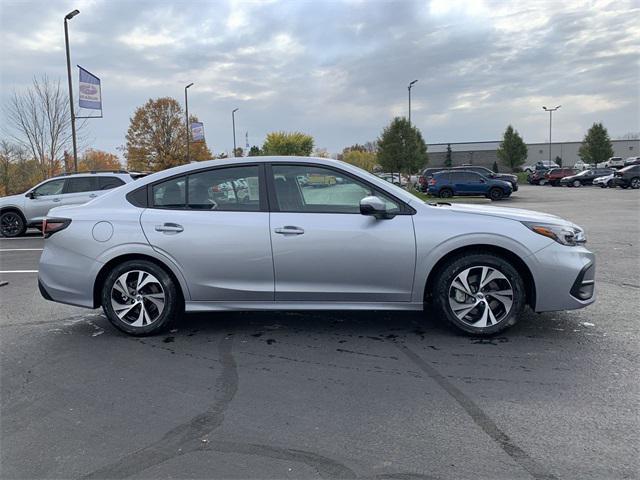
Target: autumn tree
{"type": "Point", "coordinates": [93, 160]}
{"type": "Point", "coordinates": [156, 137]}
{"type": "Point", "coordinates": [18, 171]}
{"type": "Point", "coordinates": [360, 158]}
{"type": "Point", "coordinates": [288, 143]}
{"type": "Point", "coordinates": [512, 150]}
{"type": "Point", "coordinates": [401, 147]}
{"type": "Point", "coordinates": [596, 146]}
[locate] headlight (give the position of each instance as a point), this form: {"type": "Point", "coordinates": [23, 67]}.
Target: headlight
{"type": "Point", "coordinates": [565, 235]}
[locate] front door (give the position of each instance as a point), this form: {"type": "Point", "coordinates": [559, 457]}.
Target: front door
{"type": "Point", "coordinates": [214, 225]}
{"type": "Point", "coordinates": [42, 199]}
{"type": "Point", "coordinates": [324, 250]}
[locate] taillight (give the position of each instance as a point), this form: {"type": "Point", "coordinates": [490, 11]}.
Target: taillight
{"type": "Point", "coordinates": [53, 225]}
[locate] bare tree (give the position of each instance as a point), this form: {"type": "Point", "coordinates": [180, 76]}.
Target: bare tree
{"type": "Point", "coordinates": [39, 119]}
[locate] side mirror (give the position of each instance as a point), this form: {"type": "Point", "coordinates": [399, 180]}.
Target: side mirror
{"type": "Point", "coordinates": [374, 207]}
{"type": "Point", "coordinates": [30, 195]}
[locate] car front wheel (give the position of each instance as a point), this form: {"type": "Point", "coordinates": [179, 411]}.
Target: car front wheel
{"type": "Point", "coordinates": [481, 294]}
{"type": "Point", "coordinates": [496, 194]}
{"type": "Point", "coordinates": [635, 183]}
{"type": "Point", "coordinates": [446, 193]}
{"type": "Point", "coordinates": [576, 183]}
{"type": "Point", "coordinates": [12, 224]}
{"type": "Point", "coordinates": [140, 298]}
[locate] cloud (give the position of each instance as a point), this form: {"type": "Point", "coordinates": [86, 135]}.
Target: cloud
{"type": "Point", "coordinates": [339, 70]}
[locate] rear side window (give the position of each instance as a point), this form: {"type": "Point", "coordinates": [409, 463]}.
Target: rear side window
{"type": "Point", "coordinates": [170, 194]}
{"type": "Point", "coordinates": [225, 189]}
{"type": "Point", "coordinates": [81, 184]}
{"type": "Point", "coordinates": [107, 183]}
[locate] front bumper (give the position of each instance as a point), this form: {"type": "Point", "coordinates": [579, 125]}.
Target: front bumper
{"type": "Point", "coordinates": [564, 277]}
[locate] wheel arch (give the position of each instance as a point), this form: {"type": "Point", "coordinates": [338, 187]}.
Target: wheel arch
{"type": "Point", "coordinates": [108, 266]}
{"type": "Point", "coordinates": [13, 208]}
{"type": "Point", "coordinates": [519, 264]}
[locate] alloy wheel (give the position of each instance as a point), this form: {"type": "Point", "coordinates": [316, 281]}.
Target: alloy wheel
{"type": "Point", "coordinates": [10, 224]}
{"type": "Point", "coordinates": [481, 296]}
{"type": "Point", "coordinates": [635, 183]}
{"type": "Point", "coordinates": [137, 298]}
{"type": "Point", "coordinates": [576, 183]}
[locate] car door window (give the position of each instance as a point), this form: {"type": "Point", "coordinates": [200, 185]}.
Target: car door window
{"type": "Point", "coordinates": [313, 189]}
{"type": "Point", "coordinates": [54, 187]}
{"type": "Point", "coordinates": [107, 183]}
{"type": "Point", "coordinates": [170, 193]}
{"type": "Point", "coordinates": [81, 184]}
{"type": "Point", "coordinates": [225, 189]}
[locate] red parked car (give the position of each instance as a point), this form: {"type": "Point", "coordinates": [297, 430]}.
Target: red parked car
{"type": "Point", "coordinates": [554, 175]}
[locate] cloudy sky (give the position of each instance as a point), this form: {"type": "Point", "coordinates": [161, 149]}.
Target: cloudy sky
{"type": "Point", "coordinates": [339, 69]}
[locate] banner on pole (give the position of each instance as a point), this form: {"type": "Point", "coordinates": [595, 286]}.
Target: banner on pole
{"type": "Point", "coordinates": [197, 132]}
{"type": "Point", "coordinates": [90, 95]}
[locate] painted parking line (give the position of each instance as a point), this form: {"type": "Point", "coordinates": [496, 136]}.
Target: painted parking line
{"type": "Point", "coordinates": [18, 271]}
{"type": "Point", "coordinates": [20, 249]}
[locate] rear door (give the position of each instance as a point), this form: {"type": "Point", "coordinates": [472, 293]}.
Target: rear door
{"type": "Point", "coordinates": [214, 224]}
{"type": "Point", "coordinates": [79, 190]}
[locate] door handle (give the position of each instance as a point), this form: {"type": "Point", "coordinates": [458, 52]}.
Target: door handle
{"type": "Point", "coordinates": [169, 228]}
{"type": "Point", "coordinates": [289, 230]}
{"type": "Point", "coordinates": [93, 195]}
{"type": "Point", "coordinates": [56, 199]}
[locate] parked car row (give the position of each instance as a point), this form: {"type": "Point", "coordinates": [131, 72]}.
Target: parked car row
{"type": "Point", "coordinates": [626, 177]}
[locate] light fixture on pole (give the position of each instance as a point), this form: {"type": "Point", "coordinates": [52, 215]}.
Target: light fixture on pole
{"type": "Point", "coordinates": [409, 88]}
{"type": "Point", "coordinates": [550, 110]}
{"type": "Point", "coordinates": [233, 122]}
{"type": "Point", "coordinates": [68, 17]}
{"type": "Point", "coordinates": [186, 117]}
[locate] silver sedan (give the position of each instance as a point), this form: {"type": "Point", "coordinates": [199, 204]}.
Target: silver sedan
{"type": "Point", "coordinates": [300, 233]}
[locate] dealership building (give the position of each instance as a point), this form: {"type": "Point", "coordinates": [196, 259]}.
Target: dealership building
{"type": "Point", "coordinates": [485, 153]}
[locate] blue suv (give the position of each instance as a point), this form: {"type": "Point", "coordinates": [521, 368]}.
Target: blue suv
{"type": "Point", "coordinates": [446, 184]}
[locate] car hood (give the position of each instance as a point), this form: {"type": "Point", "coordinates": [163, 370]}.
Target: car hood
{"type": "Point", "coordinates": [517, 214]}
{"type": "Point", "coordinates": [505, 176]}
{"type": "Point", "coordinates": [12, 199]}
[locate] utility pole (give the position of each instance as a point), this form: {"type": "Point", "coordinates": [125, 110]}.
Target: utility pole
{"type": "Point", "coordinates": [550, 110]}
{"type": "Point", "coordinates": [233, 122]}
{"type": "Point", "coordinates": [68, 17]}
{"type": "Point", "coordinates": [409, 88]}
{"type": "Point", "coordinates": [186, 118]}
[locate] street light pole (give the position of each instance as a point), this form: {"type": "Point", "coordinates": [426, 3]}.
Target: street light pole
{"type": "Point", "coordinates": [233, 122]}
{"type": "Point", "coordinates": [550, 110]}
{"type": "Point", "coordinates": [186, 117]}
{"type": "Point", "coordinates": [409, 88]}
{"type": "Point", "coordinates": [68, 17]}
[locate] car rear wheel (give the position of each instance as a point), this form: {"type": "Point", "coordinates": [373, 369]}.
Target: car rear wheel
{"type": "Point", "coordinates": [140, 298]}
{"type": "Point", "coordinates": [446, 193]}
{"type": "Point", "coordinates": [496, 194]}
{"type": "Point", "coordinates": [481, 294]}
{"type": "Point", "coordinates": [576, 183]}
{"type": "Point", "coordinates": [12, 224]}
{"type": "Point", "coordinates": [635, 183]}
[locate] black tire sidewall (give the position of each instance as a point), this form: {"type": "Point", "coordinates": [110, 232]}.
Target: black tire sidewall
{"type": "Point", "coordinates": [23, 226]}
{"type": "Point", "coordinates": [449, 272]}
{"type": "Point", "coordinates": [636, 179]}
{"type": "Point", "coordinates": [173, 302]}
{"type": "Point", "coordinates": [446, 193]}
{"type": "Point", "coordinates": [496, 194]}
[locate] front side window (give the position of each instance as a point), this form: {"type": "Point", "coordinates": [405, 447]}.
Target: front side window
{"type": "Point", "coordinates": [313, 189]}
{"type": "Point", "coordinates": [225, 189]}
{"type": "Point", "coordinates": [81, 184]}
{"type": "Point", "coordinates": [54, 187]}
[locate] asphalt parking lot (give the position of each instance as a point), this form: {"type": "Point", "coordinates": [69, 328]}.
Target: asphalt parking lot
{"type": "Point", "coordinates": [331, 394]}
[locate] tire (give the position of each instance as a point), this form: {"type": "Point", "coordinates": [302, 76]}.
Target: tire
{"type": "Point", "coordinates": [542, 182]}
{"type": "Point", "coordinates": [504, 309]}
{"type": "Point", "coordinates": [576, 183]}
{"type": "Point", "coordinates": [445, 193]}
{"type": "Point", "coordinates": [12, 224]}
{"type": "Point", "coordinates": [159, 295]}
{"type": "Point", "coordinates": [635, 183]}
{"type": "Point", "coordinates": [610, 184]}
{"type": "Point", "coordinates": [496, 194]}
{"type": "Point", "coordinates": [604, 185]}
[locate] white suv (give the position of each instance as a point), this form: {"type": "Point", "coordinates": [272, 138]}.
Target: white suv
{"type": "Point", "coordinates": [614, 162]}
{"type": "Point", "coordinates": [18, 212]}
